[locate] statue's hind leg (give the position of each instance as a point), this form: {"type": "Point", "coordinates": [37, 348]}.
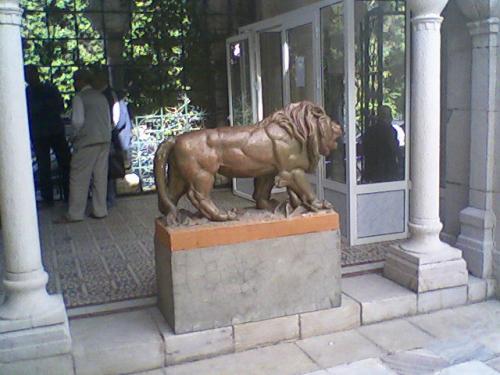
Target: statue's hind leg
{"type": "Point", "coordinates": [177, 186]}
{"type": "Point", "coordinates": [263, 186]}
{"type": "Point", "coordinates": [199, 195]}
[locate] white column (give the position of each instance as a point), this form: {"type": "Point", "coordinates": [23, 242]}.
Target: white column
{"type": "Point", "coordinates": [27, 304]}
{"type": "Point", "coordinates": [425, 224]}
{"type": "Point", "coordinates": [477, 221]}
{"type": "Point", "coordinates": [423, 262]}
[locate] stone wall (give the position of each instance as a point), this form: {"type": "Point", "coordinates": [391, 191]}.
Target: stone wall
{"type": "Point", "coordinates": [455, 117]}
{"type": "Point", "coordinates": [496, 187]}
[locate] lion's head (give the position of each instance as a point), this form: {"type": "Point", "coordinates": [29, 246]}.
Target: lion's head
{"type": "Point", "coordinates": [311, 126]}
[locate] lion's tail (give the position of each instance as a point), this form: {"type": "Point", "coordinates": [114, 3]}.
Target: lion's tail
{"type": "Point", "coordinates": [165, 205]}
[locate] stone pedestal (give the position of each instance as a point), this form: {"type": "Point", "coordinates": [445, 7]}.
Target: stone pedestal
{"type": "Point", "coordinates": [425, 272]}
{"type": "Point", "coordinates": [221, 274]}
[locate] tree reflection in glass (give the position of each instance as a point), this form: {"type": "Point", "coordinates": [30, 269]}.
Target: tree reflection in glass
{"type": "Point", "coordinates": [332, 51]}
{"type": "Point", "coordinates": [380, 83]}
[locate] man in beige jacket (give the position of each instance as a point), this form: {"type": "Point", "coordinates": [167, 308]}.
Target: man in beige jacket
{"type": "Point", "coordinates": [91, 139]}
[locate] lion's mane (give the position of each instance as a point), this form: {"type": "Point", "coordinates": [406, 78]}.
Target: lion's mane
{"type": "Point", "coordinates": [301, 121]}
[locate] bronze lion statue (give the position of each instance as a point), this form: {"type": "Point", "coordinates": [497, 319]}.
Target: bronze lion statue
{"type": "Point", "coordinates": [279, 151]}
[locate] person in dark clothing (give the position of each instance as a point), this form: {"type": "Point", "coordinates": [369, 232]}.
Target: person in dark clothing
{"type": "Point", "coordinates": [45, 106]}
{"type": "Point", "coordinates": [381, 149]}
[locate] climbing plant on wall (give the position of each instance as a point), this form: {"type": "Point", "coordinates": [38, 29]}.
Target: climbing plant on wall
{"type": "Point", "coordinates": [59, 37]}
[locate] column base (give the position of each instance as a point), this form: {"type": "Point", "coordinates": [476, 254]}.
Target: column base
{"type": "Point", "coordinates": [35, 338]}
{"type": "Point", "coordinates": [423, 272]}
{"type": "Point", "coordinates": [476, 240]}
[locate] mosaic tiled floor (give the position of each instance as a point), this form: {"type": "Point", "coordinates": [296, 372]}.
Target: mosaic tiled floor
{"type": "Point", "coordinates": [112, 259]}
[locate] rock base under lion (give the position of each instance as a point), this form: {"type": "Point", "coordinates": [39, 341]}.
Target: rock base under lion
{"type": "Point", "coordinates": [220, 274]}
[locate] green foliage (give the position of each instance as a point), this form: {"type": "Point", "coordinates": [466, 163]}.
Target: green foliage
{"type": "Point", "coordinates": [154, 53]}
{"type": "Point", "coordinates": [59, 37]}
{"type": "Point", "coordinates": [380, 60]}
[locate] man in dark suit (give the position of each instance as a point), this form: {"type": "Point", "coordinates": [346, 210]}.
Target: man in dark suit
{"type": "Point", "coordinates": [45, 106]}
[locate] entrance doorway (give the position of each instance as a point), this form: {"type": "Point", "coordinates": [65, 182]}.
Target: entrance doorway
{"type": "Point", "coordinates": [350, 57]}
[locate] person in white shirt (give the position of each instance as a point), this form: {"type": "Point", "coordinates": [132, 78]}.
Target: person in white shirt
{"type": "Point", "coordinates": [91, 124]}
{"type": "Point", "coordinates": [116, 162]}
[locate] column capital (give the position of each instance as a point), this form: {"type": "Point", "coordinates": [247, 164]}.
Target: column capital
{"type": "Point", "coordinates": [488, 26]}
{"type": "Point", "coordinates": [427, 8]}
{"type": "Point", "coordinates": [484, 33]}
{"type": "Point", "coordinates": [10, 13]}
{"type": "Point", "coordinates": [427, 22]}
{"type": "Point", "coordinates": [477, 10]}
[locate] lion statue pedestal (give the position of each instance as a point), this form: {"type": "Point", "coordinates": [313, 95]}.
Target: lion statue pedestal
{"type": "Point", "coordinates": [220, 274]}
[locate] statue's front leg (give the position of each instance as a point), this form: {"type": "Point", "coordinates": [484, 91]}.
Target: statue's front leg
{"type": "Point", "coordinates": [299, 183]}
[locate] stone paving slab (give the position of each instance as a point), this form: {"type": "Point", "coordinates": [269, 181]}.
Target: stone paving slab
{"type": "Point", "coordinates": [457, 321]}
{"type": "Point", "coordinates": [460, 350]}
{"type": "Point", "coordinates": [58, 365]}
{"type": "Point", "coordinates": [160, 371]}
{"type": "Point", "coordinates": [494, 363]}
{"type": "Point", "coordinates": [339, 348]}
{"type": "Point", "coordinates": [370, 366]}
{"type": "Point", "coordinates": [396, 335]}
{"type": "Point", "coordinates": [282, 359]}
{"type": "Point", "coordinates": [415, 362]}
{"type": "Point", "coordinates": [491, 340]}
{"type": "Point", "coordinates": [117, 343]}
{"type": "Point", "coordinates": [468, 368]}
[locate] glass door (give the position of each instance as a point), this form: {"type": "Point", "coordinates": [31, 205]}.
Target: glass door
{"type": "Point", "coordinates": [242, 110]}
{"type": "Point", "coordinates": [269, 71]}
{"type": "Point", "coordinates": [301, 81]}
{"type": "Point", "coordinates": [333, 83]}
{"type": "Point", "coordinates": [378, 120]}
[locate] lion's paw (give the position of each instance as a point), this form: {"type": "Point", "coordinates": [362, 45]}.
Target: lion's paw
{"type": "Point", "coordinates": [232, 215]}
{"type": "Point", "coordinates": [327, 205]}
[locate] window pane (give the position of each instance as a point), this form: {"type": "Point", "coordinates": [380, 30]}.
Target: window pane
{"type": "Point", "coordinates": [63, 52]}
{"type": "Point", "coordinates": [380, 80]}
{"type": "Point", "coordinates": [91, 52]}
{"type": "Point", "coordinates": [33, 4]}
{"type": "Point", "coordinates": [62, 77]}
{"type": "Point", "coordinates": [271, 71]}
{"type": "Point", "coordinates": [301, 64]}
{"type": "Point", "coordinates": [241, 100]}
{"type": "Point", "coordinates": [61, 24]}
{"type": "Point", "coordinates": [32, 49]}
{"type": "Point", "coordinates": [332, 49]}
{"type": "Point", "coordinates": [34, 25]}
{"type": "Point", "coordinates": [85, 30]}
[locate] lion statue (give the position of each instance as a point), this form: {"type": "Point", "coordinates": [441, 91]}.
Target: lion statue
{"type": "Point", "coordinates": [280, 150]}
